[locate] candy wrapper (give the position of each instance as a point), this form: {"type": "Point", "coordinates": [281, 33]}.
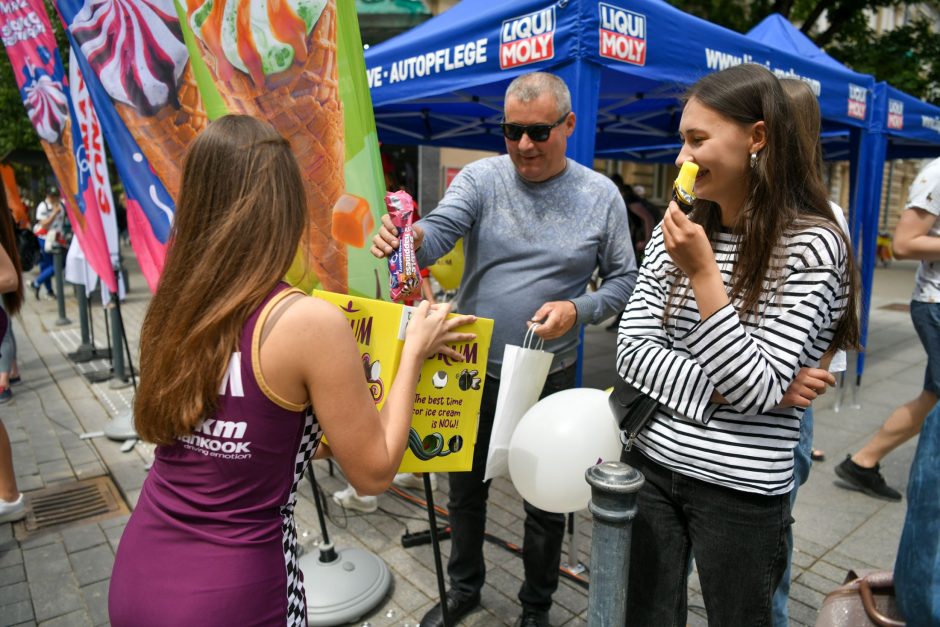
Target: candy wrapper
{"type": "Point", "coordinates": [404, 273]}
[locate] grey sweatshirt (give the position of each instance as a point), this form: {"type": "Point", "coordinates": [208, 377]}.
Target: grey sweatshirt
{"type": "Point", "coordinates": [530, 243]}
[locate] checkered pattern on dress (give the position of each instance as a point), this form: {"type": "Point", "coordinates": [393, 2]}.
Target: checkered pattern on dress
{"type": "Point", "coordinates": [296, 600]}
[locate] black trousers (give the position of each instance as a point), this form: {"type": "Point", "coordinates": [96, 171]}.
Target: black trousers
{"type": "Point", "coordinates": [544, 531]}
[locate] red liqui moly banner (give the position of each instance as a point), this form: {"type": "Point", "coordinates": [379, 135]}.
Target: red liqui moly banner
{"type": "Point", "coordinates": [29, 42]}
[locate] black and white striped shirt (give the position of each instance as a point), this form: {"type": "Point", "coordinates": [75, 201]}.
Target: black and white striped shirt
{"type": "Point", "coordinates": [748, 443]}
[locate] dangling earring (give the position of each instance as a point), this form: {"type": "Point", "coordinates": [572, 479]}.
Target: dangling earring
{"type": "Point", "coordinates": [753, 160]}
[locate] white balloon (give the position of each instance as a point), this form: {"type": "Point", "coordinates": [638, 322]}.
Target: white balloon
{"type": "Point", "coordinates": [559, 438]}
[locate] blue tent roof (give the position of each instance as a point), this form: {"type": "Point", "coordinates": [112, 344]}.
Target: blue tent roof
{"type": "Point", "coordinates": [776, 31]}
{"type": "Point", "coordinates": [442, 82]}
{"type": "Point", "coordinates": [910, 123]}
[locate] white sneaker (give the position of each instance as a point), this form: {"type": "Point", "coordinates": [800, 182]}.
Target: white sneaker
{"type": "Point", "coordinates": [349, 499]}
{"type": "Point", "coordinates": [12, 511]}
{"type": "Point", "coordinates": [412, 481]}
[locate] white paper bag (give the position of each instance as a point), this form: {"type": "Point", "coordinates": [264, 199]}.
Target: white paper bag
{"type": "Point", "coordinates": [521, 380]}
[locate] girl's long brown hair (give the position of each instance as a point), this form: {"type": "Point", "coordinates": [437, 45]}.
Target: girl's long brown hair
{"type": "Point", "coordinates": [785, 190]}
{"type": "Point", "coordinates": [240, 216]}
{"type": "Point", "coordinates": [11, 300]}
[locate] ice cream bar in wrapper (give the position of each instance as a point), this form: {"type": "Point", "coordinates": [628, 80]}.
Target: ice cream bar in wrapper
{"type": "Point", "coordinates": [404, 274]}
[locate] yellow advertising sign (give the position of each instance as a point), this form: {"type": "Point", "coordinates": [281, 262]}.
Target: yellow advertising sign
{"type": "Point", "coordinates": [447, 400]}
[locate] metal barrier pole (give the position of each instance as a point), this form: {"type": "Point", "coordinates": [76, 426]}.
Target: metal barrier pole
{"type": "Point", "coordinates": [58, 260]}
{"type": "Point", "coordinates": [614, 487]}
{"type": "Point", "coordinates": [120, 378]}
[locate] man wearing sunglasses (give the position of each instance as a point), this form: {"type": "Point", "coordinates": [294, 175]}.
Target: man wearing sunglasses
{"type": "Point", "coordinates": [535, 226]}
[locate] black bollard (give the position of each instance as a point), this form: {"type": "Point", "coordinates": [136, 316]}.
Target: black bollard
{"type": "Point", "coordinates": [120, 378]}
{"type": "Point", "coordinates": [58, 260]}
{"type": "Point", "coordinates": [614, 486]}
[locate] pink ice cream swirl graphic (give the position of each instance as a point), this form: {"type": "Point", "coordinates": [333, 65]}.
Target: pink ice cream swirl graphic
{"type": "Point", "coordinates": [46, 106]}
{"type": "Point", "coordinates": [136, 49]}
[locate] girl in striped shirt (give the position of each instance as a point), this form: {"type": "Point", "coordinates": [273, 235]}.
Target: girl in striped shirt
{"type": "Point", "coordinates": [732, 301]}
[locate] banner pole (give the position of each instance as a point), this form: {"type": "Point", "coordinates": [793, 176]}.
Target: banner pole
{"type": "Point", "coordinates": [436, 549]}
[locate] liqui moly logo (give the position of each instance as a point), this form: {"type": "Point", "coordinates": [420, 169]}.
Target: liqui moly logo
{"type": "Point", "coordinates": [857, 98]}
{"type": "Point", "coordinates": [895, 114]}
{"type": "Point", "coordinates": [622, 35]}
{"type": "Point", "coordinates": [527, 39]}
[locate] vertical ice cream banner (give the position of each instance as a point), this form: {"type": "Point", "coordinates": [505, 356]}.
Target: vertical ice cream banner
{"type": "Point", "coordinates": [298, 64]}
{"type": "Point", "coordinates": [131, 56]}
{"type": "Point", "coordinates": [30, 43]}
{"type": "Point", "coordinates": [136, 50]}
{"type": "Point", "coordinates": [94, 182]}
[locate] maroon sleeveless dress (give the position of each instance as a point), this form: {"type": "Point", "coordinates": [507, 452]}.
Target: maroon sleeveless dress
{"type": "Point", "coordinates": [212, 540]}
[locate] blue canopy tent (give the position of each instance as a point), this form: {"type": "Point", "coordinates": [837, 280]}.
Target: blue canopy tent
{"type": "Point", "coordinates": [900, 126]}
{"type": "Point", "coordinates": [627, 63]}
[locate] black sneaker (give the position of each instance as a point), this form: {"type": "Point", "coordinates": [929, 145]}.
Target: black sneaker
{"type": "Point", "coordinates": [35, 287]}
{"type": "Point", "coordinates": [867, 480]}
{"type": "Point", "coordinates": [532, 618]}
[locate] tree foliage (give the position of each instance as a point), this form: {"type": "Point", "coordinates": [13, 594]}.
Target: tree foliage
{"type": "Point", "coordinates": [908, 56]}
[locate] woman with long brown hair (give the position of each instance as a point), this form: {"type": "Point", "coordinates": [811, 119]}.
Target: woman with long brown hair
{"type": "Point", "coordinates": [732, 302]}
{"type": "Point", "coordinates": [240, 375]}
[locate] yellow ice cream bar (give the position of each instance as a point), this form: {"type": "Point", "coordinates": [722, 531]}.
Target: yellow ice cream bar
{"type": "Point", "coordinates": [682, 191]}
{"type": "Point", "coordinates": [352, 220]}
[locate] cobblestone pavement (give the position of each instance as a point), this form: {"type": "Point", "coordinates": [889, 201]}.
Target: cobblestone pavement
{"type": "Point", "coordinates": [60, 577]}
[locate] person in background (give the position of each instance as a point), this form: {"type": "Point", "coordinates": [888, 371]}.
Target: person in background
{"type": "Point", "coordinates": [12, 507]}
{"type": "Point", "coordinates": [50, 222]}
{"type": "Point", "coordinates": [917, 236]}
{"type": "Point", "coordinates": [9, 372]}
{"type": "Point", "coordinates": [535, 226]}
{"type": "Point", "coordinates": [237, 401]}
{"type": "Point", "coordinates": [732, 301]}
{"type": "Point", "coordinates": [806, 117]}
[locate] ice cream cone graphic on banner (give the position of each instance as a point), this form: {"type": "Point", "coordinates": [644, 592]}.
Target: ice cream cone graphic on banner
{"type": "Point", "coordinates": [136, 48]}
{"type": "Point", "coordinates": [277, 60]}
{"type": "Point", "coordinates": [48, 110]}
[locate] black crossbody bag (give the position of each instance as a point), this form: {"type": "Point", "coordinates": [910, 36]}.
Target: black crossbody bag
{"type": "Point", "coordinates": [632, 409]}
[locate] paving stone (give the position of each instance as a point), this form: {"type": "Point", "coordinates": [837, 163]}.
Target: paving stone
{"type": "Point", "coordinates": [41, 539]}
{"type": "Point", "coordinates": [46, 561]}
{"type": "Point", "coordinates": [78, 618]}
{"type": "Point", "coordinates": [18, 613]}
{"type": "Point", "coordinates": [82, 537]}
{"type": "Point", "coordinates": [92, 565]}
{"type": "Point", "coordinates": [56, 595]}
{"type": "Point", "coordinates": [12, 574]}
{"type": "Point", "coordinates": [801, 614]}
{"type": "Point", "coordinates": [14, 593]}
{"type": "Point", "coordinates": [28, 483]}
{"type": "Point", "coordinates": [806, 595]}
{"type": "Point", "coordinates": [57, 471]}
{"type": "Point", "coordinates": [96, 601]}
{"type": "Point", "coordinates": [10, 554]}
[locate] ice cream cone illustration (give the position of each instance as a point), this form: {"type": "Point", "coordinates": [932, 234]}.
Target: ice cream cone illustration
{"type": "Point", "coordinates": [276, 60]}
{"type": "Point", "coordinates": [48, 110]}
{"type": "Point", "coordinates": [136, 48]}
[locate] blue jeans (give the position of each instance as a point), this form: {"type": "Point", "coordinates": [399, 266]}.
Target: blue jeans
{"type": "Point", "coordinates": [46, 267]}
{"type": "Point", "coordinates": [926, 319]}
{"type": "Point", "coordinates": [802, 461]}
{"type": "Point", "coordinates": [917, 569]}
{"type": "Point", "coordinates": [544, 531]}
{"type": "Point", "coordinates": [739, 541]}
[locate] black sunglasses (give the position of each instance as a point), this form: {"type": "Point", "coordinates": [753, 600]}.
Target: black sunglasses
{"type": "Point", "coordinates": [536, 132]}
